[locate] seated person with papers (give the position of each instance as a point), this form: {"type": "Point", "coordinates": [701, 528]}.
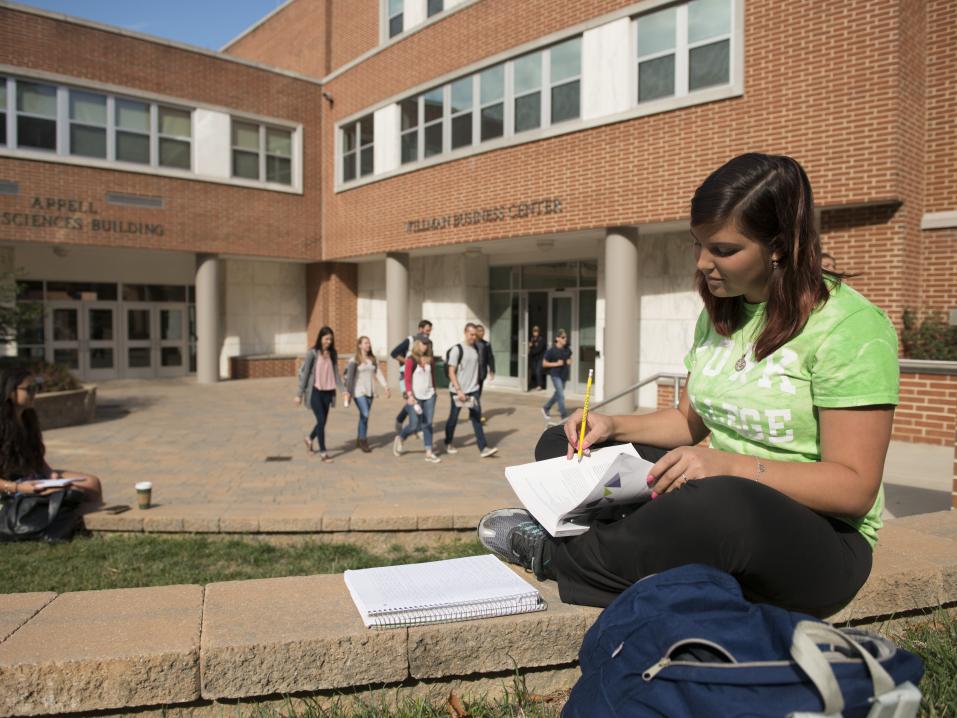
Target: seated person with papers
{"type": "Point", "coordinates": [795, 376]}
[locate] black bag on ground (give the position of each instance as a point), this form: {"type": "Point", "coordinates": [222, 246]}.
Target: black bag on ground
{"type": "Point", "coordinates": [29, 517]}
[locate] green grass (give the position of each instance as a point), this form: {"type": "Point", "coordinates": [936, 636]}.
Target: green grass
{"type": "Point", "coordinates": [124, 561]}
{"type": "Point", "coordinates": [935, 641]}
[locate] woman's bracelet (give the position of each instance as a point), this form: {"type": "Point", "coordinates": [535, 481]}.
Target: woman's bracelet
{"type": "Point", "coordinates": [761, 468]}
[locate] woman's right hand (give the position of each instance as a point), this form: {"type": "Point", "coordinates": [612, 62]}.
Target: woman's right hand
{"type": "Point", "coordinates": [298, 401]}
{"type": "Point", "coordinates": [598, 428]}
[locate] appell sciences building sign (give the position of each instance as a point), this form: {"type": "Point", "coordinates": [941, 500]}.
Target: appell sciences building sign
{"type": "Point", "coordinates": [73, 214]}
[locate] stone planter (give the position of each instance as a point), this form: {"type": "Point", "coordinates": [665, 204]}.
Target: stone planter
{"type": "Point", "coordinates": [66, 408]}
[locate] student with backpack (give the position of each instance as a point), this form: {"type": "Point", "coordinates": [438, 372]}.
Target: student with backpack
{"type": "Point", "coordinates": [420, 397]}
{"type": "Point", "coordinates": [794, 375]}
{"type": "Point", "coordinates": [400, 353]}
{"type": "Point", "coordinates": [462, 361]}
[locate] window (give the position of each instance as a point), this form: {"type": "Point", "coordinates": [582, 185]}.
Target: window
{"type": "Point", "coordinates": [435, 7]}
{"type": "Point", "coordinates": [175, 135]}
{"type": "Point", "coordinates": [709, 43]}
{"type": "Point", "coordinates": [249, 159]}
{"type": "Point", "coordinates": [527, 84]}
{"type": "Point", "coordinates": [132, 131]}
{"type": "Point", "coordinates": [409, 129]}
{"type": "Point", "coordinates": [565, 79]}
{"type": "Point", "coordinates": [461, 110]}
{"type": "Point", "coordinates": [3, 110]}
{"type": "Point", "coordinates": [492, 96]}
{"type": "Point", "coordinates": [87, 124]}
{"type": "Point", "coordinates": [395, 17]}
{"type": "Point", "coordinates": [245, 150]}
{"type": "Point", "coordinates": [433, 110]}
{"type": "Point", "coordinates": [357, 147]}
{"type": "Point", "coordinates": [36, 115]}
{"type": "Point", "coordinates": [697, 36]}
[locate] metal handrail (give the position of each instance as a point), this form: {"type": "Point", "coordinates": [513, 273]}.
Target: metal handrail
{"type": "Point", "coordinates": [676, 378]}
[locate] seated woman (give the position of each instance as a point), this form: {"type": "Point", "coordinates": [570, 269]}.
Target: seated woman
{"type": "Point", "coordinates": [794, 375]}
{"type": "Point", "coordinates": [22, 454]}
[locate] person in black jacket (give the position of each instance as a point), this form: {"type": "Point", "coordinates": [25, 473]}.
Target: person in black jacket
{"type": "Point", "coordinates": [486, 360]}
{"type": "Point", "coordinates": [536, 351]}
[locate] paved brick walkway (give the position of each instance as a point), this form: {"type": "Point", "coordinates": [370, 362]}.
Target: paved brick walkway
{"type": "Point", "coordinates": [204, 447]}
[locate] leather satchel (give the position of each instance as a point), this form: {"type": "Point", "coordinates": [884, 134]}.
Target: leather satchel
{"type": "Point", "coordinates": [28, 517]}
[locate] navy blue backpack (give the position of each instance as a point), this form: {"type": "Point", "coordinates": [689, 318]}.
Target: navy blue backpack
{"type": "Point", "coordinates": [685, 642]}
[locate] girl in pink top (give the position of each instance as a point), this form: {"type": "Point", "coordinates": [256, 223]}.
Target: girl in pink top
{"type": "Point", "coordinates": [319, 378]}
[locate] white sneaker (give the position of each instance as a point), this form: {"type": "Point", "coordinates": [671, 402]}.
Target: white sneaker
{"type": "Point", "coordinates": [433, 459]}
{"type": "Point", "coordinates": [488, 451]}
{"type": "Point", "coordinates": [418, 435]}
{"type": "Point", "coordinates": [546, 416]}
{"type": "Point", "coordinates": [449, 449]}
{"type": "Point", "coordinates": [397, 447]}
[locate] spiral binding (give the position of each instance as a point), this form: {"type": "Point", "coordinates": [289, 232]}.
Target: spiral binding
{"type": "Point", "coordinates": [419, 615]}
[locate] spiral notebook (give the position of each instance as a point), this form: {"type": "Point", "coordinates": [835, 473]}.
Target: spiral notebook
{"type": "Point", "coordinates": [456, 589]}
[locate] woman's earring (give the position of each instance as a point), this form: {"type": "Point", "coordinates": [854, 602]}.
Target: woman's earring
{"type": "Point", "coordinates": [775, 264]}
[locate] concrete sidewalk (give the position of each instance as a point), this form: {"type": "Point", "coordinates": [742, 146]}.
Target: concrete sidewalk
{"type": "Point", "coordinates": [236, 449]}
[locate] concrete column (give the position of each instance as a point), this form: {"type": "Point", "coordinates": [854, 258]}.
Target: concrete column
{"type": "Point", "coordinates": [397, 304]}
{"type": "Point", "coordinates": [209, 278]}
{"type": "Point", "coordinates": [620, 348]}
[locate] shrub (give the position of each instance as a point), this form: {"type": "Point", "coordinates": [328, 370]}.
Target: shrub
{"type": "Point", "coordinates": [933, 338]}
{"type": "Point", "coordinates": [50, 377]}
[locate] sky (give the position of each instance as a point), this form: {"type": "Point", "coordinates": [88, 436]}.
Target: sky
{"type": "Point", "coordinates": [207, 23]}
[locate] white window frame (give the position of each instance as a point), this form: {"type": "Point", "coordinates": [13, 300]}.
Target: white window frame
{"type": "Point", "coordinates": [388, 19]}
{"type": "Point", "coordinates": [177, 138]}
{"type": "Point", "coordinates": [150, 133]}
{"type": "Point", "coordinates": [105, 126]}
{"type": "Point", "coordinates": [470, 80]}
{"type": "Point", "coordinates": [261, 151]}
{"type": "Point", "coordinates": [682, 53]}
{"type": "Point", "coordinates": [355, 126]}
{"type": "Point", "coordinates": [547, 74]}
{"type": "Point", "coordinates": [443, 90]}
{"type": "Point", "coordinates": [59, 96]}
{"type": "Point", "coordinates": [5, 111]}
{"type": "Point", "coordinates": [437, 12]}
{"type": "Point", "coordinates": [510, 85]}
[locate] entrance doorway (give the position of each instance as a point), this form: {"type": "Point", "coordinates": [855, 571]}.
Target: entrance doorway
{"type": "Point", "coordinates": [551, 297]}
{"type": "Point", "coordinates": [83, 337]}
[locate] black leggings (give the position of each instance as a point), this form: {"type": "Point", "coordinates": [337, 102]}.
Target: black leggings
{"type": "Point", "coordinates": [780, 551]}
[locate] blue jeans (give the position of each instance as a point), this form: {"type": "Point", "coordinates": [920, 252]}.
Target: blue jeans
{"type": "Point", "coordinates": [364, 405]}
{"type": "Point", "coordinates": [558, 397]}
{"type": "Point", "coordinates": [421, 422]}
{"type": "Point", "coordinates": [475, 416]}
{"type": "Point", "coordinates": [321, 401]}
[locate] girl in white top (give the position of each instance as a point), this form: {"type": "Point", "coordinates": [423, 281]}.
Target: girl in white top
{"type": "Point", "coordinates": [360, 372]}
{"type": "Point", "coordinates": [420, 393]}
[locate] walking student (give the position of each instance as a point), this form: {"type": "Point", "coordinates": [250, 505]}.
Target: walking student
{"type": "Point", "coordinates": [361, 370]}
{"type": "Point", "coordinates": [318, 381]}
{"type": "Point", "coordinates": [794, 375]}
{"type": "Point", "coordinates": [400, 353]}
{"type": "Point", "coordinates": [486, 361]}
{"type": "Point", "coordinates": [420, 398]}
{"type": "Point", "coordinates": [536, 352]}
{"type": "Point", "coordinates": [556, 361]}
{"type": "Point", "coordinates": [463, 363]}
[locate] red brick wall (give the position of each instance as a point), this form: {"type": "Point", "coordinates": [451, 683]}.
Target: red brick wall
{"type": "Point", "coordinates": [941, 160]}
{"type": "Point", "coordinates": [261, 367]}
{"type": "Point", "coordinates": [356, 29]}
{"type": "Point", "coordinates": [331, 295]}
{"type": "Point", "coordinates": [198, 216]}
{"type": "Point", "coordinates": [295, 38]}
{"type": "Point", "coordinates": [646, 169]}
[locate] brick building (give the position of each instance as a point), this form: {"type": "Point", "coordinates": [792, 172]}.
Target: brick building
{"type": "Point", "coordinates": [516, 163]}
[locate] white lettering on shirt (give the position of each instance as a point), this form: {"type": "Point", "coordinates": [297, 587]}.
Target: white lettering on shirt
{"type": "Point", "coordinates": [776, 419]}
{"type": "Point", "coordinates": [718, 358]}
{"type": "Point", "coordinates": [775, 365]}
{"type": "Point", "coordinates": [754, 430]}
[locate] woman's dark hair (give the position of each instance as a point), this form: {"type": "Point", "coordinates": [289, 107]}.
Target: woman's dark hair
{"type": "Point", "coordinates": [769, 200]}
{"type": "Point", "coordinates": [21, 446]}
{"type": "Point", "coordinates": [333, 354]}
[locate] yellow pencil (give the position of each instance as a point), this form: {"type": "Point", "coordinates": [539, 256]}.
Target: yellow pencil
{"type": "Point", "coordinates": [581, 437]}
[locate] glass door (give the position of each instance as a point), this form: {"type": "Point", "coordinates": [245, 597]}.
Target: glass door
{"type": "Point", "coordinates": [138, 354]}
{"type": "Point", "coordinates": [63, 328]}
{"type": "Point", "coordinates": [561, 315]}
{"type": "Point", "coordinates": [587, 346]}
{"type": "Point", "coordinates": [99, 341]}
{"type": "Point", "coordinates": [172, 340]}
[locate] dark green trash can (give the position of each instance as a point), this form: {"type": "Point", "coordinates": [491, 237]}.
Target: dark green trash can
{"type": "Point", "coordinates": [441, 380]}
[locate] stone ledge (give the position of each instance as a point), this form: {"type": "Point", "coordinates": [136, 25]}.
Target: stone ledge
{"type": "Point", "coordinates": [137, 648]}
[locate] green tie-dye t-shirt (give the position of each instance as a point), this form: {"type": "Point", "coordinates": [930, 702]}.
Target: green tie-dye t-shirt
{"type": "Point", "coordinates": [845, 356]}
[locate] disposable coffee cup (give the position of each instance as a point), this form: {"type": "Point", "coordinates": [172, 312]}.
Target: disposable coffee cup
{"type": "Point", "coordinates": [144, 493]}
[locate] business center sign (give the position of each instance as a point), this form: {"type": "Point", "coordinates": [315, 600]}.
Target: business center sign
{"type": "Point", "coordinates": [483, 215]}
{"type": "Point", "coordinates": [74, 214]}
